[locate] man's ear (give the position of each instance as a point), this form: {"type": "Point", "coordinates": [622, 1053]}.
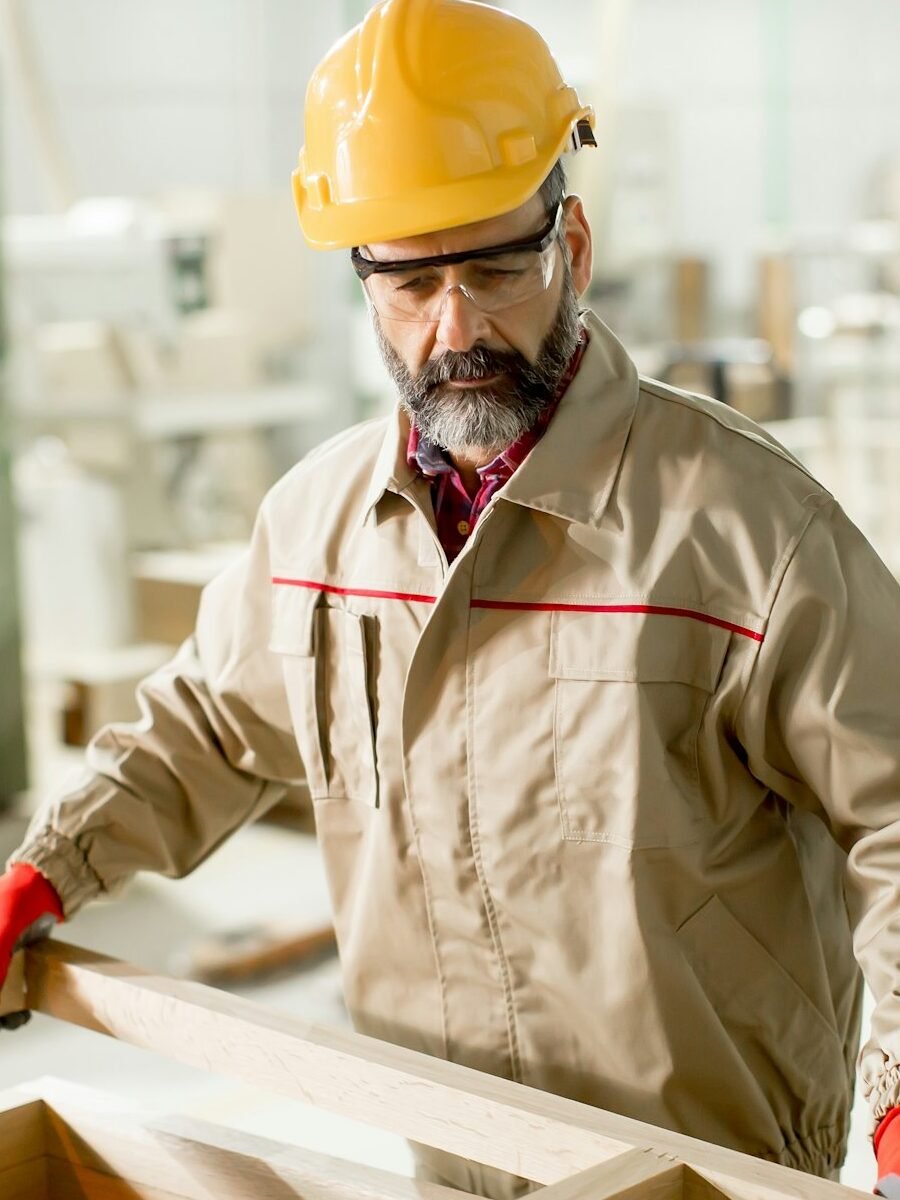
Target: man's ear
{"type": "Point", "coordinates": [580, 243]}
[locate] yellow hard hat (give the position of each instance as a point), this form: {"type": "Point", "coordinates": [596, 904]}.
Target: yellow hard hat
{"type": "Point", "coordinates": [427, 115]}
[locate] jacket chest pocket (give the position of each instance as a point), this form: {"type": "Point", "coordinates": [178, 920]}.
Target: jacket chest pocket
{"type": "Point", "coordinates": [630, 690]}
{"type": "Point", "coordinates": [325, 661]}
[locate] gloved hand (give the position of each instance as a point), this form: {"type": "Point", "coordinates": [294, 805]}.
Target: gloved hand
{"type": "Point", "coordinates": [29, 908]}
{"type": "Point", "coordinates": [887, 1154]}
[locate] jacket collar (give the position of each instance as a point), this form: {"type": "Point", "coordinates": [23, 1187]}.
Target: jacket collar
{"type": "Point", "coordinates": [391, 473]}
{"type": "Point", "coordinates": [571, 471]}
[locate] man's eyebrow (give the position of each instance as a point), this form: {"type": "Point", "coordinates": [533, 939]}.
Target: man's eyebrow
{"type": "Point", "coordinates": [365, 250]}
{"type": "Point", "coordinates": [369, 255]}
{"type": "Point", "coordinates": [416, 258]}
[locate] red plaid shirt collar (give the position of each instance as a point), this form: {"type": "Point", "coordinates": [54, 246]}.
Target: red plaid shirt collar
{"type": "Point", "coordinates": [456, 512]}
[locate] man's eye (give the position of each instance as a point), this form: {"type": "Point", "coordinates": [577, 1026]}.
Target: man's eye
{"type": "Point", "coordinates": [495, 275]}
{"type": "Point", "coordinates": [418, 283]}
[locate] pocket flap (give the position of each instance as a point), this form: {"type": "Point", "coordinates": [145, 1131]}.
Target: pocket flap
{"type": "Point", "coordinates": [636, 647]}
{"type": "Point", "coordinates": [292, 615]}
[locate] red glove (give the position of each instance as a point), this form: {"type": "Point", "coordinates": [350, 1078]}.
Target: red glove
{"type": "Point", "coordinates": [887, 1153]}
{"type": "Point", "coordinates": [29, 907]}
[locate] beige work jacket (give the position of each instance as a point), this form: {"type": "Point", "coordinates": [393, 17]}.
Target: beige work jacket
{"type": "Point", "coordinates": [604, 805]}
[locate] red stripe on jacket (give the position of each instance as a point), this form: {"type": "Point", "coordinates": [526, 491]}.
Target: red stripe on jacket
{"type": "Point", "coordinates": [526, 605]}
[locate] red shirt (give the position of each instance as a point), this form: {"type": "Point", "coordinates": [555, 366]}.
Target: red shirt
{"type": "Point", "coordinates": [455, 511]}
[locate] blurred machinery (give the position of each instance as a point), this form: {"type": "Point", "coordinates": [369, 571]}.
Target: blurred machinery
{"type": "Point", "coordinates": [846, 419]}
{"type": "Point", "coordinates": [816, 354]}
{"type": "Point", "coordinates": [165, 367]}
{"type": "Point", "coordinates": [157, 388]}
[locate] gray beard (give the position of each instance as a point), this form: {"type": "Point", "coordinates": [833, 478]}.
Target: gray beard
{"type": "Point", "coordinates": [485, 420]}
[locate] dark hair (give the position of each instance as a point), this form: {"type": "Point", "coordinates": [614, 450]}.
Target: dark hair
{"type": "Point", "coordinates": [553, 190]}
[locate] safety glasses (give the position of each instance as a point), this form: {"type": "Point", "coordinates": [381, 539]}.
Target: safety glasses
{"type": "Point", "coordinates": [492, 278]}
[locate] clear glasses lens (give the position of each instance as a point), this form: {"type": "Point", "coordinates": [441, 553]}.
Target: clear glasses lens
{"type": "Point", "coordinates": [491, 284]}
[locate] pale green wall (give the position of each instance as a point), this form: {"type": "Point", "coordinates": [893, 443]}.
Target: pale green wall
{"type": "Point", "coordinates": [12, 730]}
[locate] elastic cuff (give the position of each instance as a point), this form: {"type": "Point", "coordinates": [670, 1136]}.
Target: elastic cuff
{"type": "Point", "coordinates": [63, 865]}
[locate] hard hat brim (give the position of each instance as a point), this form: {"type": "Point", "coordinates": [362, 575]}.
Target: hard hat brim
{"type": "Point", "coordinates": [462, 202]}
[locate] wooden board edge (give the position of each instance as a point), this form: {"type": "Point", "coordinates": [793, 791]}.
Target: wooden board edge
{"type": "Point", "coordinates": [23, 1127]}
{"type": "Point", "coordinates": [634, 1175]}
{"type": "Point", "coordinates": [177, 1154]}
{"type": "Point", "coordinates": [794, 1185]}
{"type": "Point", "coordinates": [12, 994]}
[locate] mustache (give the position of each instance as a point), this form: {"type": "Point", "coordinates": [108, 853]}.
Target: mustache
{"type": "Point", "coordinates": [468, 366]}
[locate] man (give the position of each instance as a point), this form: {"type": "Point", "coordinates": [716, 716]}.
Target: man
{"type": "Point", "coordinates": [594, 689]}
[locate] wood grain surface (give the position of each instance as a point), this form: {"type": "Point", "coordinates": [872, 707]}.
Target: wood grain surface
{"type": "Point", "coordinates": [520, 1130]}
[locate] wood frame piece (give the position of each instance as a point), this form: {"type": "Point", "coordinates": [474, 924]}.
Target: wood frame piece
{"type": "Point", "coordinates": [634, 1175]}
{"type": "Point", "coordinates": [59, 1140]}
{"type": "Point", "coordinates": [575, 1150]}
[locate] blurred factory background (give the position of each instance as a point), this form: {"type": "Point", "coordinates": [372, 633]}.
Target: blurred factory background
{"type": "Point", "coordinates": [172, 347]}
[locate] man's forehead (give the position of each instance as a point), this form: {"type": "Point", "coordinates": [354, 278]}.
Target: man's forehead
{"type": "Point", "coordinates": [493, 232]}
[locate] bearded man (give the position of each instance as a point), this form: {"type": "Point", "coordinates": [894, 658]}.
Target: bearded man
{"type": "Point", "coordinates": [593, 687]}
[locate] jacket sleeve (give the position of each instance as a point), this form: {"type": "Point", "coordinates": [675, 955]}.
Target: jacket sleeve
{"type": "Point", "coordinates": [212, 750]}
{"type": "Point", "coordinates": [820, 722]}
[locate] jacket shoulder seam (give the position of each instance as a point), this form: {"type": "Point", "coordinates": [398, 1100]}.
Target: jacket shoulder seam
{"type": "Point", "coordinates": [810, 512]}
{"type": "Point", "coordinates": [687, 400]}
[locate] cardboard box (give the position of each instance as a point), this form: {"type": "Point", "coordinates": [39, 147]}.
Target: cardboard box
{"type": "Point", "coordinates": [167, 589]}
{"type": "Point", "coordinates": [100, 687]}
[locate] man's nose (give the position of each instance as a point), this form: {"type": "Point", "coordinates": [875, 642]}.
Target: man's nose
{"type": "Point", "coordinates": [462, 323]}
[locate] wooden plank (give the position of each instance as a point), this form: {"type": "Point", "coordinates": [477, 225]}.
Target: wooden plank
{"type": "Point", "coordinates": [25, 1181]}
{"type": "Point", "coordinates": [793, 1184]}
{"type": "Point", "coordinates": [441, 1104]}
{"type": "Point", "coordinates": [22, 1129]}
{"type": "Point", "coordinates": [12, 994]}
{"type": "Point", "coordinates": [67, 1181]}
{"type": "Point", "coordinates": [635, 1175]}
{"type": "Point", "coordinates": [207, 1162]}
{"type": "Point", "coordinates": [698, 1187]}
{"type": "Point", "coordinates": [489, 1120]}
